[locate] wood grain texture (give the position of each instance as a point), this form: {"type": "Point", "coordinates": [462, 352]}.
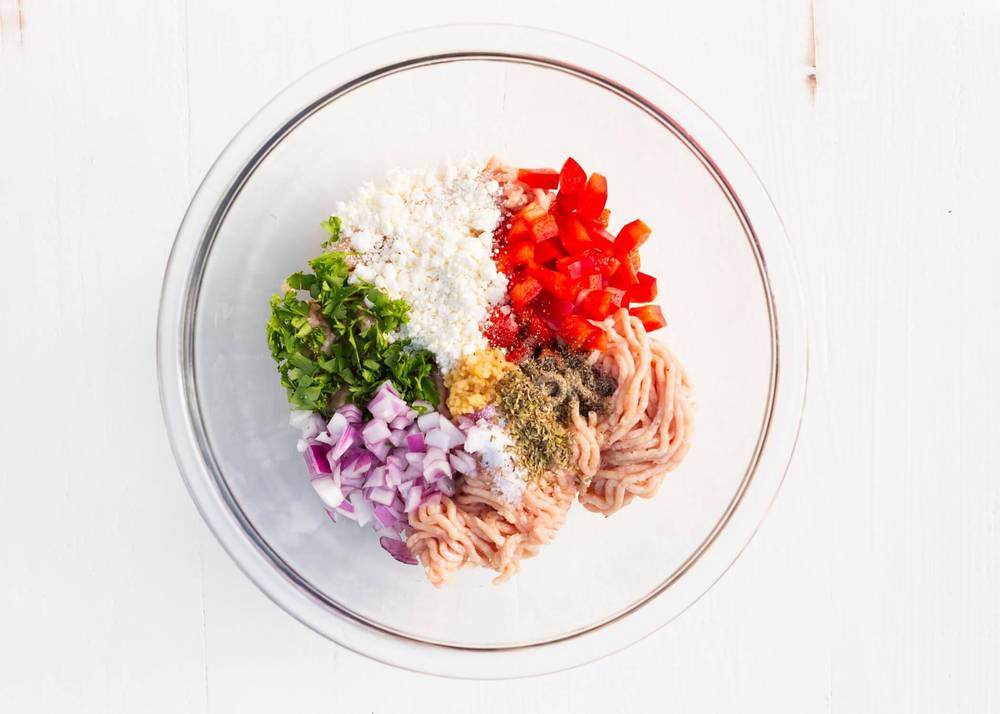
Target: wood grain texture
{"type": "Point", "coordinates": [872, 587]}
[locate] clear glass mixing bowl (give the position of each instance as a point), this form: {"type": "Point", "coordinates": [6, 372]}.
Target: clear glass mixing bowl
{"type": "Point", "coordinates": [532, 98]}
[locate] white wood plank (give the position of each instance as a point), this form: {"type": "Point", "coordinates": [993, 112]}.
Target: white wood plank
{"type": "Point", "coordinates": [873, 586]}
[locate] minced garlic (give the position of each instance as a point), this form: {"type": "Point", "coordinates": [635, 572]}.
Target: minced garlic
{"type": "Point", "coordinates": [470, 383]}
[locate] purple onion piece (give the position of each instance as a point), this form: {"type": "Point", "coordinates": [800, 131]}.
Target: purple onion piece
{"type": "Point", "coordinates": [398, 550]}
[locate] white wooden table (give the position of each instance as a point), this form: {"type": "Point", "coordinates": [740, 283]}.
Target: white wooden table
{"type": "Point", "coordinates": [874, 585]}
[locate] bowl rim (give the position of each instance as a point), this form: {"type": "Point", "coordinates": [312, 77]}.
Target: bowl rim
{"type": "Point", "coordinates": [419, 48]}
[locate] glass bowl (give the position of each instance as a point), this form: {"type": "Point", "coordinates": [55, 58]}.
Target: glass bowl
{"type": "Point", "coordinates": [727, 286]}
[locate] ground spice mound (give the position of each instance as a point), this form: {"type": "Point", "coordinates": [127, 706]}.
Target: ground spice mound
{"type": "Point", "coordinates": [541, 442]}
{"type": "Point", "coordinates": [471, 383]}
{"type": "Point", "coordinates": [567, 379]}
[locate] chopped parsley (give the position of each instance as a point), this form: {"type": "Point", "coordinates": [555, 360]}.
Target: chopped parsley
{"type": "Point", "coordinates": [335, 346]}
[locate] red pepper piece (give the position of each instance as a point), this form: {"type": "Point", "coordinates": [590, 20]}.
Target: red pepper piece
{"type": "Point", "coordinates": [630, 237]}
{"type": "Point", "coordinates": [547, 251]}
{"type": "Point", "coordinates": [574, 236]}
{"type": "Point", "coordinates": [626, 276]}
{"type": "Point", "coordinates": [552, 310]}
{"type": "Point", "coordinates": [539, 331]}
{"type": "Point", "coordinates": [519, 230]}
{"type": "Point", "coordinates": [544, 179]}
{"type": "Point", "coordinates": [598, 342]}
{"type": "Point", "coordinates": [532, 213]}
{"type": "Point", "coordinates": [651, 316]}
{"type": "Point", "coordinates": [545, 228]}
{"type": "Point", "coordinates": [576, 331]}
{"type": "Point", "coordinates": [554, 283]}
{"type": "Point", "coordinates": [576, 266]}
{"type": "Point", "coordinates": [604, 264]}
{"type": "Point", "coordinates": [524, 292]}
{"type": "Point", "coordinates": [644, 290]}
{"type": "Point", "coordinates": [571, 180]}
{"type": "Point", "coordinates": [593, 197]}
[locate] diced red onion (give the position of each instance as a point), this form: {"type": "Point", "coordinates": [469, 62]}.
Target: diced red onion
{"type": "Point", "coordinates": [462, 462]}
{"type": "Point", "coordinates": [381, 451]}
{"type": "Point", "coordinates": [447, 486]}
{"type": "Point", "coordinates": [416, 442]}
{"type": "Point", "coordinates": [381, 496]}
{"type": "Point", "coordinates": [402, 421]}
{"type": "Point", "coordinates": [376, 478]}
{"type": "Point", "coordinates": [336, 427]}
{"type": "Point", "coordinates": [394, 475]}
{"type": "Point", "coordinates": [316, 461]}
{"type": "Point", "coordinates": [413, 498]}
{"type": "Point", "coordinates": [355, 464]}
{"type": "Point", "coordinates": [386, 405]}
{"type": "Point", "coordinates": [455, 436]}
{"type": "Point", "coordinates": [347, 440]}
{"type": "Point", "coordinates": [434, 470]}
{"type": "Point", "coordinates": [428, 421]}
{"type": "Point", "coordinates": [388, 386]}
{"type": "Point", "coordinates": [351, 412]}
{"type": "Point", "coordinates": [356, 482]}
{"type": "Point", "coordinates": [384, 516]}
{"type": "Point", "coordinates": [328, 491]}
{"type": "Point", "coordinates": [436, 438]}
{"type": "Point", "coordinates": [375, 432]}
{"type": "Point", "coordinates": [398, 550]}
{"type": "Point", "coordinates": [380, 470]}
{"type": "Point", "coordinates": [362, 507]}
{"type": "Point", "coordinates": [415, 458]}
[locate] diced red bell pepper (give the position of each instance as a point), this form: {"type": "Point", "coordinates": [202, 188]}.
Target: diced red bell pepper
{"type": "Point", "coordinates": [604, 219]}
{"type": "Point", "coordinates": [644, 290]}
{"type": "Point", "coordinates": [552, 310]}
{"type": "Point", "coordinates": [593, 197]}
{"type": "Point", "coordinates": [519, 229]}
{"type": "Point", "coordinates": [576, 266]}
{"type": "Point", "coordinates": [576, 331]}
{"type": "Point", "coordinates": [603, 241]}
{"type": "Point", "coordinates": [598, 342]}
{"type": "Point", "coordinates": [651, 316]}
{"type": "Point", "coordinates": [519, 352]}
{"type": "Point", "coordinates": [539, 331]}
{"type": "Point", "coordinates": [598, 304]}
{"type": "Point", "coordinates": [520, 253]}
{"type": "Point", "coordinates": [500, 329]}
{"type": "Point", "coordinates": [626, 276]}
{"type": "Point", "coordinates": [555, 284]}
{"type": "Point", "coordinates": [547, 251]}
{"type": "Point", "coordinates": [571, 180]}
{"type": "Point", "coordinates": [532, 213]}
{"type": "Point", "coordinates": [604, 264]}
{"type": "Point", "coordinates": [524, 292]}
{"type": "Point", "coordinates": [631, 236]}
{"type": "Point", "coordinates": [544, 179]}
{"type": "Point", "coordinates": [545, 228]}
{"type": "Point", "coordinates": [574, 236]}
{"type": "Point", "coordinates": [633, 258]}
{"type": "Point", "coordinates": [596, 281]}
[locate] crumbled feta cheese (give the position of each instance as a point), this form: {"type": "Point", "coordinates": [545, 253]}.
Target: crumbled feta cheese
{"type": "Point", "coordinates": [426, 236]}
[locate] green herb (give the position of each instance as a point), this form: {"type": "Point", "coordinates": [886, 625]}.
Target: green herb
{"type": "Point", "coordinates": [541, 442]}
{"type": "Point", "coordinates": [336, 346]}
{"type": "Point", "coordinates": [332, 226]}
